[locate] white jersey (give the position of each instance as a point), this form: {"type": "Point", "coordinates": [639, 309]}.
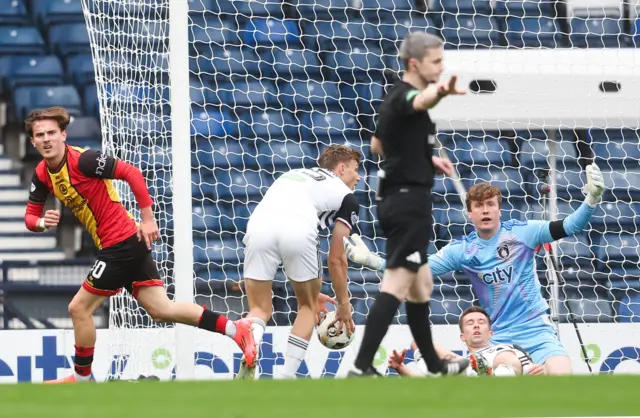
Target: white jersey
{"type": "Point", "coordinates": [317, 196]}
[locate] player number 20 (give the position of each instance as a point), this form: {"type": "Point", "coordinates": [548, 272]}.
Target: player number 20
{"type": "Point", "coordinates": [98, 269]}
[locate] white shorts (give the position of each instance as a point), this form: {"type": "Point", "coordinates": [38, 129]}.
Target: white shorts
{"type": "Point", "coordinates": [271, 242]}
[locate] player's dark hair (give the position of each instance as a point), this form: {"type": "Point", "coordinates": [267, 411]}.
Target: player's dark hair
{"type": "Point", "coordinates": [472, 309]}
{"type": "Point", "coordinates": [57, 113]}
{"type": "Point", "coordinates": [336, 154]}
{"type": "Point", "coordinates": [417, 45]}
{"type": "Point", "coordinates": [481, 192]}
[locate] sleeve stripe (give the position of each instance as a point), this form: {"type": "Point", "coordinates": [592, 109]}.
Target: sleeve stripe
{"type": "Point", "coordinates": [113, 169]}
{"type": "Point", "coordinates": [344, 222]}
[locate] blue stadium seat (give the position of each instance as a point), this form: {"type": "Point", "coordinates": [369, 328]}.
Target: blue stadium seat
{"type": "Point", "coordinates": [477, 31]}
{"type": "Point", "coordinates": [80, 69]}
{"type": "Point", "coordinates": [534, 153]}
{"type": "Point", "coordinates": [453, 221]}
{"type": "Point", "coordinates": [361, 98]}
{"type": "Point", "coordinates": [212, 32]}
{"type": "Point", "coordinates": [29, 98]}
{"type": "Point", "coordinates": [84, 130]}
{"type": "Point", "coordinates": [154, 157]}
{"type": "Point", "coordinates": [525, 8]}
{"type": "Point", "coordinates": [483, 152]}
{"type": "Point", "coordinates": [270, 32]}
{"type": "Point", "coordinates": [379, 10]}
{"type": "Point", "coordinates": [224, 154]}
{"type": "Point", "coordinates": [323, 9]}
{"type": "Point", "coordinates": [305, 95]}
{"type": "Point", "coordinates": [596, 32]}
{"type": "Point", "coordinates": [243, 185]}
{"type": "Point", "coordinates": [619, 250]}
{"type": "Point", "coordinates": [290, 63]}
{"type": "Point", "coordinates": [90, 100]}
{"type": "Point", "coordinates": [207, 218]}
{"type": "Point", "coordinates": [340, 35]}
{"type": "Point", "coordinates": [590, 308]}
{"type": "Point", "coordinates": [575, 252]}
{"type": "Point", "coordinates": [509, 180]}
{"type": "Point", "coordinates": [468, 7]}
{"type": "Point", "coordinates": [253, 94]}
{"type": "Point", "coordinates": [616, 155]}
{"type": "Point", "coordinates": [154, 98]}
{"type": "Point", "coordinates": [249, 9]}
{"type": "Point", "coordinates": [357, 64]}
{"type": "Point", "coordinates": [616, 216]}
{"type": "Point", "coordinates": [622, 184]}
{"type": "Point", "coordinates": [533, 32]}
{"type": "Point", "coordinates": [443, 186]}
{"type": "Point", "coordinates": [330, 127]}
{"type": "Point", "coordinates": [269, 125]}
{"type": "Point", "coordinates": [60, 11]}
{"type": "Point", "coordinates": [68, 39]}
{"type": "Point", "coordinates": [628, 309]}
{"type": "Point", "coordinates": [282, 156]}
{"type": "Point", "coordinates": [395, 27]}
{"type": "Point", "coordinates": [25, 70]}
{"type": "Point", "coordinates": [209, 122]}
{"type": "Point", "coordinates": [227, 252]}
{"type": "Point", "coordinates": [202, 93]}
{"type": "Point", "coordinates": [204, 186]}
{"type": "Point", "coordinates": [14, 12]}
{"type": "Point", "coordinates": [208, 8]}
{"type": "Point", "coordinates": [21, 40]}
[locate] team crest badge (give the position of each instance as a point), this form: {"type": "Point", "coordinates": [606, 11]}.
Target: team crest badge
{"type": "Point", "coordinates": [503, 252]}
{"type": "Point", "coordinates": [63, 189]}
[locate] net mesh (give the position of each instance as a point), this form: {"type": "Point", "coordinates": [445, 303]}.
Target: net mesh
{"type": "Point", "coordinates": [273, 83]}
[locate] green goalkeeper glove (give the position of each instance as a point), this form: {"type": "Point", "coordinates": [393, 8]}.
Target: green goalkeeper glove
{"type": "Point", "coordinates": [595, 185]}
{"type": "Point", "coordinates": [358, 252]}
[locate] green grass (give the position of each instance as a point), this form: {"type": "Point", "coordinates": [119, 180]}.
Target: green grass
{"type": "Point", "coordinates": [354, 398]}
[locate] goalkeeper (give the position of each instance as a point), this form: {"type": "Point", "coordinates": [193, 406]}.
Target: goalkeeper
{"type": "Point", "coordinates": [498, 258]}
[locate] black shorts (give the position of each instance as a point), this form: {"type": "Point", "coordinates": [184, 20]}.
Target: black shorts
{"type": "Point", "coordinates": [405, 218]}
{"type": "Point", "coordinates": [128, 265]}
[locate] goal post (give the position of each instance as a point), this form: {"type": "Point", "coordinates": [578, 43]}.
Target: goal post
{"type": "Point", "coordinates": [214, 99]}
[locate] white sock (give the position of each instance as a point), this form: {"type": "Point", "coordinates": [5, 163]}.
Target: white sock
{"type": "Point", "coordinates": [296, 349]}
{"type": "Point", "coordinates": [82, 378]}
{"type": "Point", "coordinates": [257, 329]}
{"type": "Point", "coordinates": [230, 329]}
{"type": "Point", "coordinates": [503, 370]}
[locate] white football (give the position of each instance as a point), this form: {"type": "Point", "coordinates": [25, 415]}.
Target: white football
{"type": "Point", "coordinates": [328, 335]}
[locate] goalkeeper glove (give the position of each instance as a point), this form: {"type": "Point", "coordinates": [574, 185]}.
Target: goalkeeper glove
{"type": "Point", "coordinates": [358, 252]}
{"type": "Point", "coordinates": [595, 185]}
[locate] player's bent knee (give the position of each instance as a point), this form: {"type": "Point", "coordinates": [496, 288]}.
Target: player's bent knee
{"type": "Point", "coordinates": [558, 365]}
{"type": "Point", "coordinates": [509, 360]}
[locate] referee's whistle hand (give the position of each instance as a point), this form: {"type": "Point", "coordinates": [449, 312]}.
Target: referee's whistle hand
{"type": "Point", "coordinates": [449, 87]}
{"type": "Point", "coordinates": [442, 166]}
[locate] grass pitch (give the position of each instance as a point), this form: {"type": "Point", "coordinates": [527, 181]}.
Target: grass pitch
{"type": "Point", "coordinates": [539, 396]}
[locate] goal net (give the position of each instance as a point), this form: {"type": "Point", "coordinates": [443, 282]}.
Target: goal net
{"type": "Point", "coordinates": [272, 83]}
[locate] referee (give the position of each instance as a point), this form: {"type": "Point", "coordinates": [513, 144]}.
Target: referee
{"type": "Point", "coordinates": [405, 136]}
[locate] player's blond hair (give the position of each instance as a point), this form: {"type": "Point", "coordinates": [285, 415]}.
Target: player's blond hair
{"type": "Point", "coordinates": [56, 113]}
{"type": "Point", "coordinates": [336, 154]}
{"type": "Point", "coordinates": [481, 192]}
{"type": "Point", "coordinates": [470, 310]}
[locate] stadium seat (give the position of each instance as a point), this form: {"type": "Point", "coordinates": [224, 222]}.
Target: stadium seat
{"type": "Point", "coordinates": [619, 250]}
{"type": "Point", "coordinates": [477, 31]}
{"type": "Point", "coordinates": [330, 127]}
{"type": "Point", "coordinates": [242, 185]}
{"type": "Point", "coordinates": [533, 32]}
{"type": "Point", "coordinates": [224, 154]}
{"type": "Point", "coordinates": [249, 9]}
{"type": "Point", "coordinates": [337, 35]}
{"type": "Point", "coordinates": [628, 309]}
{"type": "Point", "coordinates": [361, 98]}
{"type": "Point", "coordinates": [270, 32]}
{"type": "Point", "coordinates": [622, 184]}
{"type": "Point", "coordinates": [380, 10]}
{"type": "Point", "coordinates": [202, 93]}
{"type": "Point", "coordinates": [590, 307]}
{"type": "Point", "coordinates": [509, 180]}
{"type": "Point", "coordinates": [154, 157]}
{"type": "Point", "coordinates": [487, 151]}
{"type": "Point", "coordinates": [90, 100]}
{"type": "Point", "coordinates": [21, 40]}
{"type": "Point", "coordinates": [253, 95]}
{"type": "Point", "coordinates": [198, 8]}
{"type": "Point", "coordinates": [288, 64]}
{"type": "Point", "coordinates": [395, 27]}
{"type": "Point", "coordinates": [268, 125]}
{"type": "Point", "coordinates": [60, 11]}
{"type": "Point", "coordinates": [453, 221]}
{"type": "Point", "coordinates": [29, 98]}
{"type": "Point", "coordinates": [356, 64]}
{"type": "Point", "coordinates": [84, 131]}
{"type": "Point", "coordinates": [14, 13]}
{"type": "Point", "coordinates": [127, 95]}
{"type": "Point", "coordinates": [575, 252]}
{"type": "Point", "coordinates": [212, 32]}
{"type": "Point", "coordinates": [443, 186]}
{"type": "Point", "coordinates": [589, 31]}
{"type": "Point", "coordinates": [80, 69]}
{"type": "Point", "coordinates": [617, 155]}
{"type": "Point", "coordinates": [211, 123]}
{"type": "Point", "coordinates": [525, 8]}
{"type": "Point", "coordinates": [210, 218]}
{"type": "Point", "coordinates": [324, 9]}
{"type": "Point", "coordinates": [468, 7]}
{"type": "Point", "coordinates": [616, 216]}
{"type": "Point", "coordinates": [306, 95]}
{"type": "Point", "coordinates": [26, 70]}
{"type": "Point", "coordinates": [68, 39]}
{"type": "Point", "coordinates": [225, 253]}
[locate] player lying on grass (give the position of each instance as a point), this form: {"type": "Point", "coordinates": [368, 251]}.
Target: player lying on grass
{"type": "Point", "coordinates": [81, 181]}
{"type": "Point", "coordinates": [486, 359]}
{"type": "Point", "coordinates": [283, 230]}
{"type": "Point", "coordinates": [498, 258]}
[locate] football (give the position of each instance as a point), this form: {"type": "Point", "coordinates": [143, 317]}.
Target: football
{"type": "Point", "coordinates": [330, 337]}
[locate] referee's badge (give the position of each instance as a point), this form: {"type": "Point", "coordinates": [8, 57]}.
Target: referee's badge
{"type": "Point", "coordinates": [503, 252]}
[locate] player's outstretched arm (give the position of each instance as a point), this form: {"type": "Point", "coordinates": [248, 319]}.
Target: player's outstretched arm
{"type": "Point", "coordinates": [431, 96]}
{"type": "Point", "coordinates": [358, 252]}
{"type": "Point", "coordinates": [396, 362]}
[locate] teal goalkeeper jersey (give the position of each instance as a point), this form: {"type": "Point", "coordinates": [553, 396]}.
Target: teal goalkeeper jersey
{"type": "Point", "coordinates": [502, 271]}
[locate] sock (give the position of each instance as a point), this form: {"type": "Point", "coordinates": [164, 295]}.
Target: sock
{"type": "Point", "coordinates": [82, 363]}
{"type": "Point", "coordinates": [214, 322]}
{"type": "Point", "coordinates": [418, 320]}
{"type": "Point", "coordinates": [257, 329]}
{"type": "Point", "coordinates": [378, 320]}
{"type": "Point", "coordinates": [296, 349]}
{"type": "Point", "coordinates": [503, 370]}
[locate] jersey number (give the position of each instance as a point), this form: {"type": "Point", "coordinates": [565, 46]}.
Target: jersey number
{"type": "Point", "coordinates": [98, 269]}
{"type": "Point", "coordinates": [300, 175]}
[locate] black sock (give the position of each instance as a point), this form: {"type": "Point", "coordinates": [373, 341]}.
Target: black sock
{"type": "Point", "coordinates": [418, 320]}
{"type": "Point", "coordinates": [378, 320]}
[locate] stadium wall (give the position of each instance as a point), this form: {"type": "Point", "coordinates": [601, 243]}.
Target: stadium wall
{"type": "Point", "coordinates": [34, 355]}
